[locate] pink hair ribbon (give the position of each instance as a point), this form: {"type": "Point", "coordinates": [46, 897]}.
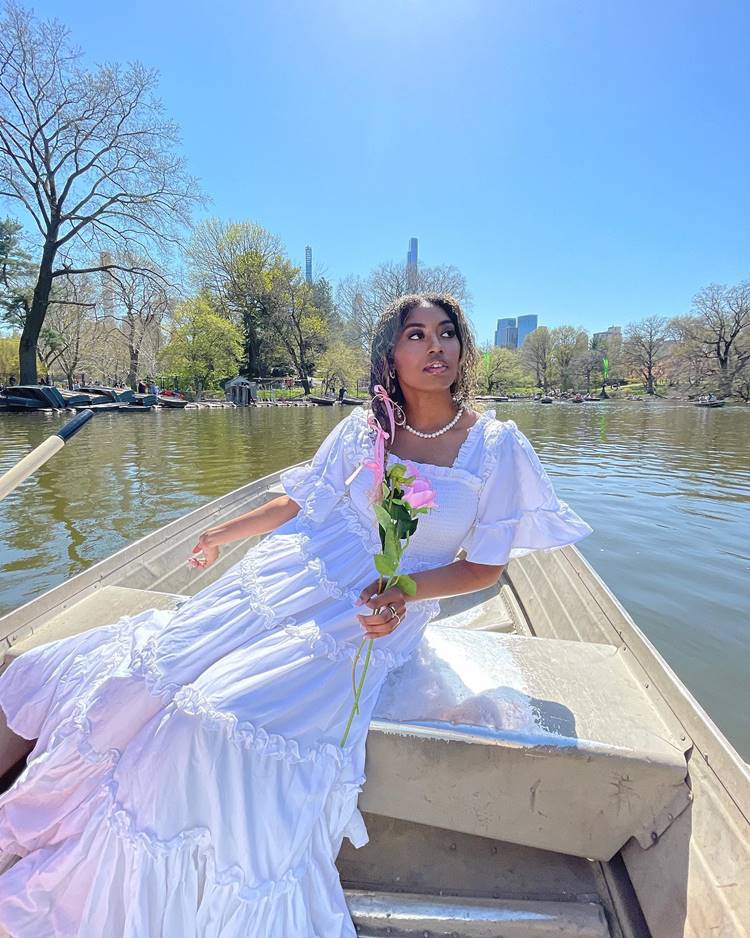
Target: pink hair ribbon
{"type": "Point", "coordinates": [377, 462]}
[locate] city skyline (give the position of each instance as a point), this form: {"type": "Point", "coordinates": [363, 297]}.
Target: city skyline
{"type": "Point", "coordinates": [512, 331]}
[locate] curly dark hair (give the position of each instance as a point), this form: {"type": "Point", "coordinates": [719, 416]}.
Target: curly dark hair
{"type": "Point", "coordinates": [387, 330]}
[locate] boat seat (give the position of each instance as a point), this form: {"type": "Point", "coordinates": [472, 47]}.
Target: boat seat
{"type": "Point", "coordinates": [541, 742]}
{"type": "Point", "coordinates": [403, 915]}
{"type": "Point", "coordinates": [100, 607]}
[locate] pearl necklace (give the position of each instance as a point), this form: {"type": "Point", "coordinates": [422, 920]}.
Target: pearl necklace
{"type": "Point", "coordinates": [429, 436]}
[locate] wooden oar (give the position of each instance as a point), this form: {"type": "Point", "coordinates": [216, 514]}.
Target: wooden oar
{"type": "Point", "coordinates": [38, 456]}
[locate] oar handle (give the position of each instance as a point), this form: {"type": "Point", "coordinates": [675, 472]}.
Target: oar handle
{"type": "Point", "coordinates": [74, 425]}
{"type": "Point", "coordinates": [40, 454]}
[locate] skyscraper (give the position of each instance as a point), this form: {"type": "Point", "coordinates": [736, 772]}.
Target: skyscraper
{"type": "Point", "coordinates": [510, 334]}
{"type": "Point", "coordinates": [308, 264]}
{"type": "Point", "coordinates": [506, 333]}
{"type": "Point", "coordinates": [526, 324]}
{"type": "Point", "coordinates": [412, 265]}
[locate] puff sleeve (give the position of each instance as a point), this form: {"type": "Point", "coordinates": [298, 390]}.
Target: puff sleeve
{"type": "Point", "coordinates": [518, 509]}
{"type": "Point", "coordinates": [318, 485]}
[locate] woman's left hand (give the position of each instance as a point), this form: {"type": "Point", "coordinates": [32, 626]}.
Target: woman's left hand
{"type": "Point", "coordinates": [385, 622]}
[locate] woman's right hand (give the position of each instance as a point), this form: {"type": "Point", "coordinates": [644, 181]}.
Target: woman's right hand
{"type": "Point", "coordinates": [207, 548]}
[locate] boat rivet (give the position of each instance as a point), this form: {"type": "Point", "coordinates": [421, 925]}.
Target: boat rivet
{"type": "Point", "coordinates": [493, 850]}
{"type": "Point", "coordinates": [452, 847]}
{"type": "Point", "coordinates": [654, 836]}
{"type": "Point", "coordinates": [670, 817]}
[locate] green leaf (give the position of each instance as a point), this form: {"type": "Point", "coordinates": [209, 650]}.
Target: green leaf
{"type": "Point", "coordinates": [383, 517]}
{"type": "Point", "coordinates": [406, 584]}
{"type": "Point", "coordinates": [392, 548]}
{"type": "Point", "coordinates": [383, 565]}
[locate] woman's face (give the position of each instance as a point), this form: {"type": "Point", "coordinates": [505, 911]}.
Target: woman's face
{"type": "Point", "coordinates": [427, 350]}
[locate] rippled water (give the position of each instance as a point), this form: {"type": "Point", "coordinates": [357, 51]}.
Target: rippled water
{"type": "Point", "coordinates": [665, 486]}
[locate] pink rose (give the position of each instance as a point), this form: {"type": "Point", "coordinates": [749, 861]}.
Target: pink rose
{"type": "Point", "coordinates": [419, 493]}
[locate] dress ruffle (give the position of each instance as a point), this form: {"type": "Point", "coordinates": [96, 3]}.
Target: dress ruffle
{"type": "Point", "coordinates": [156, 874]}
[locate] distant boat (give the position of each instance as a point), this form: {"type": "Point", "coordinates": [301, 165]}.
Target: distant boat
{"type": "Point", "coordinates": [142, 400]}
{"type": "Point", "coordinates": [166, 400]}
{"type": "Point", "coordinates": [545, 400]}
{"type": "Point", "coordinates": [321, 401]}
{"type": "Point", "coordinates": [116, 395]}
{"type": "Point", "coordinates": [707, 402]}
{"type": "Point", "coordinates": [578, 399]}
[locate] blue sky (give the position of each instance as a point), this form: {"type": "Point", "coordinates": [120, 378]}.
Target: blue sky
{"type": "Point", "coordinates": [585, 161]}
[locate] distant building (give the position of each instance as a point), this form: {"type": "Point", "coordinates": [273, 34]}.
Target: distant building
{"type": "Point", "coordinates": [506, 334]}
{"type": "Point", "coordinates": [358, 306]}
{"type": "Point", "coordinates": [526, 324]}
{"type": "Point", "coordinates": [308, 264]}
{"type": "Point", "coordinates": [511, 333]}
{"type": "Point", "coordinates": [602, 338]}
{"type": "Point", "coordinates": [412, 265]}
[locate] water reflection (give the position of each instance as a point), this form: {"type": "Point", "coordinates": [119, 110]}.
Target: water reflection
{"type": "Point", "coordinates": [665, 486]}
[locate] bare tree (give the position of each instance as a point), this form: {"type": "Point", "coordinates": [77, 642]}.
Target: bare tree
{"type": "Point", "coordinates": [361, 300]}
{"type": "Point", "coordinates": [644, 346]}
{"type": "Point", "coordinates": [719, 328]}
{"type": "Point", "coordinates": [63, 339]}
{"type": "Point", "coordinates": [88, 154]}
{"type": "Point", "coordinates": [140, 305]}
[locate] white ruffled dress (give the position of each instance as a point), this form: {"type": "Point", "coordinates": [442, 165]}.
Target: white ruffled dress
{"type": "Point", "coordinates": [187, 780]}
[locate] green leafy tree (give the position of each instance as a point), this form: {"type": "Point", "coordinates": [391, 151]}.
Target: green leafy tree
{"type": "Point", "coordinates": [536, 353]}
{"type": "Point", "coordinates": [567, 345]}
{"type": "Point", "coordinates": [342, 364]}
{"type": "Point", "coordinates": [17, 272]}
{"type": "Point", "coordinates": [203, 346]}
{"type": "Point", "coordinates": [501, 369]}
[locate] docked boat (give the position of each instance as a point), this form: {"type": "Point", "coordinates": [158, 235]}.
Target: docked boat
{"type": "Point", "coordinates": [545, 400]}
{"type": "Point", "coordinates": [535, 769]}
{"type": "Point", "coordinates": [708, 402]}
{"type": "Point", "coordinates": [321, 401]}
{"type": "Point", "coordinates": [30, 397]}
{"type": "Point", "coordinates": [142, 400]}
{"type": "Point", "coordinates": [113, 395]}
{"type": "Point", "coordinates": [168, 400]}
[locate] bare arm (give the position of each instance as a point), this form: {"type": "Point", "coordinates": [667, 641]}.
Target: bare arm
{"type": "Point", "coordinates": [452, 579]}
{"type": "Point", "coordinates": [260, 520]}
{"type": "Point", "coordinates": [461, 576]}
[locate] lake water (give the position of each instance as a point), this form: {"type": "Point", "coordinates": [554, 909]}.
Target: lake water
{"type": "Point", "coordinates": [665, 486]}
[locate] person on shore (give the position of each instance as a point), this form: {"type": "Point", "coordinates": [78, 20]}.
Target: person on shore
{"type": "Point", "coordinates": [189, 774]}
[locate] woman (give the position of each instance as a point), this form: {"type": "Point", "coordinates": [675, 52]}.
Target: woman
{"type": "Point", "coordinates": [188, 777]}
